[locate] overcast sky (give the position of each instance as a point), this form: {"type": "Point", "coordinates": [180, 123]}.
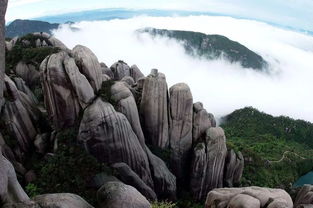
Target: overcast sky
{"type": "Point", "coordinates": [295, 13]}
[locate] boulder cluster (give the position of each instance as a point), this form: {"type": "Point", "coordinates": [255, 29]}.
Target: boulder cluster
{"type": "Point", "coordinates": [157, 140]}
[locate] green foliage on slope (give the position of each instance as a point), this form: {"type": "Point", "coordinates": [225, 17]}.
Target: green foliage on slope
{"type": "Point", "coordinates": [69, 170]}
{"type": "Point", "coordinates": [25, 50]}
{"type": "Point", "coordinates": [277, 150]}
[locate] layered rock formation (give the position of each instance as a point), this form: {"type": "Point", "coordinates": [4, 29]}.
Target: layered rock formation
{"type": "Point", "coordinates": [249, 197]}
{"type": "Point", "coordinates": [208, 163]}
{"type": "Point", "coordinates": [88, 65]}
{"type": "Point", "coordinates": [304, 197]}
{"type": "Point", "coordinates": [66, 90]}
{"type": "Point", "coordinates": [108, 135]}
{"type": "Point", "coordinates": [180, 134]}
{"type": "Point", "coordinates": [233, 168]}
{"type": "Point", "coordinates": [154, 110]}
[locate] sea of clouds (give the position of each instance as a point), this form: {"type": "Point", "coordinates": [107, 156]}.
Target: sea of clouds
{"type": "Point", "coordinates": [221, 86]}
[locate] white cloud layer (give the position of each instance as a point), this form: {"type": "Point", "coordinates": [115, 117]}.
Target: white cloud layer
{"type": "Point", "coordinates": [221, 86]}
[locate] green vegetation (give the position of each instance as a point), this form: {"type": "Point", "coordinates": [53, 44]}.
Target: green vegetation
{"type": "Point", "coordinates": [32, 190]}
{"type": "Point", "coordinates": [277, 150]}
{"type": "Point", "coordinates": [25, 50]}
{"type": "Point", "coordinates": [69, 170]}
{"type": "Point", "coordinates": [179, 204]}
{"type": "Point", "coordinates": [213, 47]}
{"type": "Point", "coordinates": [163, 205]}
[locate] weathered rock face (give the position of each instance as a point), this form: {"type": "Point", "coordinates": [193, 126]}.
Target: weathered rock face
{"type": "Point", "coordinates": [52, 41]}
{"type": "Point", "coordinates": [3, 8]}
{"type": "Point", "coordinates": [249, 197]}
{"type": "Point", "coordinates": [66, 90]}
{"type": "Point", "coordinates": [181, 104]}
{"type": "Point", "coordinates": [202, 120]}
{"type": "Point", "coordinates": [105, 70]}
{"type": "Point", "coordinates": [234, 165]}
{"type": "Point", "coordinates": [164, 180]}
{"type": "Point", "coordinates": [129, 177]}
{"type": "Point", "coordinates": [126, 104]}
{"type": "Point", "coordinates": [89, 65]}
{"type": "Point", "coordinates": [61, 201]}
{"type": "Point", "coordinates": [120, 69]}
{"type": "Point", "coordinates": [28, 73]}
{"type": "Point", "coordinates": [60, 100]}
{"type": "Point", "coordinates": [154, 110]}
{"type": "Point", "coordinates": [304, 197]}
{"type": "Point", "coordinates": [21, 86]}
{"type": "Point", "coordinates": [108, 136]}
{"type": "Point", "coordinates": [119, 195]}
{"type": "Point", "coordinates": [208, 163]}
{"type": "Point", "coordinates": [19, 115]}
{"type": "Point", "coordinates": [135, 73]}
{"type": "Point", "coordinates": [10, 190]}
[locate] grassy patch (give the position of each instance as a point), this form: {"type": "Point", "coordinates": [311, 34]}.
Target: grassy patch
{"type": "Point", "coordinates": [70, 170]}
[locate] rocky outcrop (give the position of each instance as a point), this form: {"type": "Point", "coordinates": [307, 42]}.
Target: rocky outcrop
{"type": "Point", "coordinates": [61, 201]}
{"type": "Point", "coordinates": [51, 41]}
{"type": "Point", "coordinates": [10, 190]}
{"type": "Point", "coordinates": [249, 197]}
{"type": "Point", "coordinates": [202, 120]}
{"type": "Point", "coordinates": [66, 90]}
{"type": "Point", "coordinates": [21, 86]}
{"type": "Point", "coordinates": [181, 104]}
{"type": "Point", "coordinates": [108, 136]}
{"type": "Point", "coordinates": [89, 65]}
{"type": "Point", "coordinates": [120, 69]}
{"type": "Point", "coordinates": [28, 73]}
{"type": "Point", "coordinates": [208, 163]}
{"type": "Point", "coordinates": [164, 180]}
{"type": "Point", "coordinates": [304, 197]}
{"type": "Point", "coordinates": [127, 176]}
{"type": "Point", "coordinates": [126, 104]}
{"type": "Point", "coordinates": [135, 73]}
{"type": "Point", "coordinates": [234, 165]}
{"type": "Point", "coordinates": [119, 195]}
{"type": "Point", "coordinates": [19, 116]}
{"type": "Point", "coordinates": [3, 8]}
{"type": "Point", "coordinates": [105, 70]}
{"type": "Point", "coordinates": [60, 100]}
{"type": "Point", "coordinates": [154, 110]}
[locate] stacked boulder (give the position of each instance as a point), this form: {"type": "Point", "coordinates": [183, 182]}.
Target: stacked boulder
{"type": "Point", "coordinates": [165, 120]}
{"type": "Point", "coordinates": [66, 89]}
{"type": "Point", "coordinates": [248, 197]}
{"type": "Point", "coordinates": [123, 113]}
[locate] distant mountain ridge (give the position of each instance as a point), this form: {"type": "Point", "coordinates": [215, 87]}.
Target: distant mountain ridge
{"type": "Point", "coordinates": [213, 47]}
{"type": "Point", "coordinates": [22, 27]}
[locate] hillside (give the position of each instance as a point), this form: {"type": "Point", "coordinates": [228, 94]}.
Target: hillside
{"type": "Point", "coordinates": [277, 150]}
{"type": "Point", "coordinates": [23, 27]}
{"type": "Point", "coordinates": [213, 47]}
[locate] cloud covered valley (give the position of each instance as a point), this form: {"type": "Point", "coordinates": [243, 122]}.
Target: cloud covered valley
{"type": "Point", "coordinates": [222, 87]}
